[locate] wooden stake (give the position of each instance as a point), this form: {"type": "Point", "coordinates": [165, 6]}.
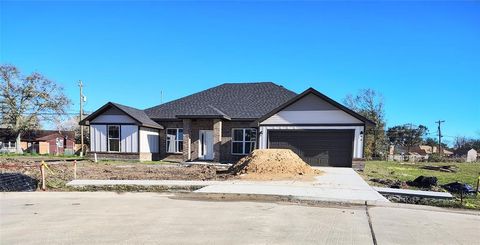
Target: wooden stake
{"type": "Point", "coordinates": [42, 172]}
{"type": "Point", "coordinates": [74, 169]}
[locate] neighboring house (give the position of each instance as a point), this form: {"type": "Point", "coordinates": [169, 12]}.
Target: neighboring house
{"type": "Point", "coordinates": [426, 150]}
{"type": "Point", "coordinates": [416, 153]}
{"type": "Point", "coordinates": [41, 141]}
{"type": "Point", "coordinates": [227, 122]}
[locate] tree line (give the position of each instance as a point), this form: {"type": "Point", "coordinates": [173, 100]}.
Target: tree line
{"type": "Point", "coordinates": [370, 104]}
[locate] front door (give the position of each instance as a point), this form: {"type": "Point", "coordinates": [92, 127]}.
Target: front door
{"type": "Point", "coordinates": [205, 151]}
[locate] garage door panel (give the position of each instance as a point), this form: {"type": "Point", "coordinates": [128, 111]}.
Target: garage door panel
{"type": "Point", "coordinates": [316, 147]}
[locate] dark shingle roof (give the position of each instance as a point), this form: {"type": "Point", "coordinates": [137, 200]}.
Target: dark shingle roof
{"type": "Point", "coordinates": [229, 100]}
{"type": "Point", "coordinates": [138, 115]}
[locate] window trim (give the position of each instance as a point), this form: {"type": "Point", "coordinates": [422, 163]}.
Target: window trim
{"type": "Point", "coordinates": [243, 141]}
{"type": "Point", "coordinates": [119, 137]}
{"type": "Point", "coordinates": [176, 141]}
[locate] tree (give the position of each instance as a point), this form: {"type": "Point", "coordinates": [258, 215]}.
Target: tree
{"type": "Point", "coordinates": [406, 135]}
{"type": "Point", "coordinates": [433, 142]}
{"type": "Point", "coordinates": [71, 124]}
{"type": "Point", "coordinates": [370, 104]}
{"type": "Point", "coordinates": [462, 145]}
{"type": "Point", "coordinates": [25, 100]}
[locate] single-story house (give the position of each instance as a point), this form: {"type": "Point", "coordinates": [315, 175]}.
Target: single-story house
{"type": "Point", "coordinates": [40, 141]}
{"type": "Point", "coordinates": [227, 122]}
{"type": "Point", "coordinates": [426, 150]}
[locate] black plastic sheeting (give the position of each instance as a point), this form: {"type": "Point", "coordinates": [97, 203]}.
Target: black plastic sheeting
{"type": "Point", "coordinates": [17, 182]}
{"type": "Point", "coordinates": [423, 182]}
{"type": "Point", "coordinates": [456, 187]}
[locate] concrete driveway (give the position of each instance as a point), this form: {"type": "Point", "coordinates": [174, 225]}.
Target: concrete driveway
{"type": "Point", "coordinates": [151, 218]}
{"type": "Point", "coordinates": [335, 184]}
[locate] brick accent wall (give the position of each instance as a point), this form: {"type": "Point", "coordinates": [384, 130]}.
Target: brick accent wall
{"type": "Point", "coordinates": [191, 128]}
{"type": "Point", "coordinates": [226, 146]}
{"type": "Point", "coordinates": [114, 156]}
{"type": "Point", "coordinates": [163, 155]}
{"type": "Point", "coordinates": [195, 127]}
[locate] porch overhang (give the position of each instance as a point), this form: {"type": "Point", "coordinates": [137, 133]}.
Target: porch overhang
{"type": "Point", "coordinates": [225, 117]}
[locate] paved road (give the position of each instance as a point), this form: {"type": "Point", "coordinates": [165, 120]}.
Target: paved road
{"type": "Point", "coordinates": [151, 218]}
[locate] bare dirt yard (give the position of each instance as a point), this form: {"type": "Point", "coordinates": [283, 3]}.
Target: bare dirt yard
{"type": "Point", "coordinates": [271, 164]}
{"type": "Point", "coordinates": [61, 172]}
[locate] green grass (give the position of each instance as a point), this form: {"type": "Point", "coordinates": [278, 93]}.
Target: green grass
{"type": "Point", "coordinates": [466, 173]}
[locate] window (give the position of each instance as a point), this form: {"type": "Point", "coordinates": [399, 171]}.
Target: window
{"type": "Point", "coordinates": [174, 140]}
{"type": "Point", "coordinates": [244, 140]}
{"type": "Point", "coordinates": [114, 138]}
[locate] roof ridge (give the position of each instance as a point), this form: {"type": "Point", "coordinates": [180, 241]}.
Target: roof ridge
{"type": "Point", "coordinates": [217, 110]}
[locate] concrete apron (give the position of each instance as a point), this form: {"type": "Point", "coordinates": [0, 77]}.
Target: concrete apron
{"type": "Point", "coordinates": [335, 185]}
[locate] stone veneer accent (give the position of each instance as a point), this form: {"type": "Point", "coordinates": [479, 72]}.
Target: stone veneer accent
{"type": "Point", "coordinates": [217, 139]}
{"type": "Point", "coordinates": [187, 146]}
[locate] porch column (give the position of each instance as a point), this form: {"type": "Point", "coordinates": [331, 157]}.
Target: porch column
{"type": "Point", "coordinates": [187, 154]}
{"type": "Point", "coordinates": [217, 139]}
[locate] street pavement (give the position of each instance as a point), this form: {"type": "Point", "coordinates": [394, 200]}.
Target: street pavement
{"type": "Point", "coordinates": [153, 218]}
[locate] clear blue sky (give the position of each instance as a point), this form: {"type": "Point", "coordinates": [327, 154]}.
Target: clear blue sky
{"type": "Point", "coordinates": [423, 56]}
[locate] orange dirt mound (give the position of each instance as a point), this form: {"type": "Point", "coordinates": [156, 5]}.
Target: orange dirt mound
{"type": "Point", "coordinates": [273, 164]}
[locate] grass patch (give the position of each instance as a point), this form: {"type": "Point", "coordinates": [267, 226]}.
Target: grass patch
{"type": "Point", "coordinates": [466, 173]}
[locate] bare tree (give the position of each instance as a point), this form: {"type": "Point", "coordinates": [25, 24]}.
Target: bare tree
{"type": "Point", "coordinates": [369, 103]}
{"type": "Point", "coordinates": [25, 100]}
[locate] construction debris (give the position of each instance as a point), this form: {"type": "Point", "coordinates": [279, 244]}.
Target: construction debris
{"type": "Point", "coordinates": [397, 184]}
{"type": "Point", "coordinates": [423, 182]}
{"type": "Point", "coordinates": [456, 187]}
{"type": "Point", "coordinates": [273, 164]}
{"type": "Point", "coordinates": [444, 168]}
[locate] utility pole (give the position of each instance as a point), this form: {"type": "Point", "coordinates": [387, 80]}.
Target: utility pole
{"type": "Point", "coordinates": [439, 122]}
{"type": "Point", "coordinates": [80, 84]}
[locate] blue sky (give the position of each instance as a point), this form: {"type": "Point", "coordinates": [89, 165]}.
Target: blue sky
{"type": "Point", "coordinates": [422, 56]}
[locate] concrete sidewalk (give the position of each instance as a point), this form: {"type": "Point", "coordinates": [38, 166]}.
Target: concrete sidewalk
{"type": "Point", "coordinates": [336, 184]}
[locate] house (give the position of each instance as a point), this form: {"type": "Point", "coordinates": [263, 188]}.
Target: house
{"type": "Point", "coordinates": [426, 150]}
{"type": "Point", "coordinates": [40, 141]}
{"type": "Point", "coordinates": [225, 123]}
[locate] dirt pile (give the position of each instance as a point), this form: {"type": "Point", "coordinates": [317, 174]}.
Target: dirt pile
{"type": "Point", "coordinates": [273, 164]}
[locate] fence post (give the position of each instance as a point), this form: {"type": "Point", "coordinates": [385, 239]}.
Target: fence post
{"type": "Point", "coordinates": [74, 169]}
{"type": "Point", "coordinates": [42, 172]}
{"type": "Point", "coordinates": [478, 186]}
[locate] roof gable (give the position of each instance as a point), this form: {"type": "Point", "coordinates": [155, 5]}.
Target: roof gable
{"type": "Point", "coordinates": [111, 108]}
{"type": "Point", "coordinates": [312, 100]}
